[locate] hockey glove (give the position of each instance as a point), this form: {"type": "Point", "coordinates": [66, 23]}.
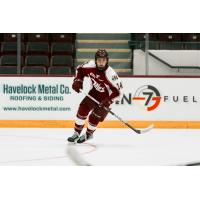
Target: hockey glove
{"type": "Point", "coordinates": [106, 103]}
{"type": "Point", "coordinates": [77, 85]}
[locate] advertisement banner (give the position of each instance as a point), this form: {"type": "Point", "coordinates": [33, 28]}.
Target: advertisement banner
{"type": "Point", "coordinates": [143, 99]}
{"type": "Point", "coordinates": [160, 99]}
{"type": "Point", "coordinates": [36, 98]}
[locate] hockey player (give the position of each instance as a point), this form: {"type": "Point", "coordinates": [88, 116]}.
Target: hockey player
{"type": "Point", "coordinates": [106, 86]}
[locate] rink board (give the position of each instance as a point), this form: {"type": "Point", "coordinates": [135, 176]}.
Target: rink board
{"type": "Point", "coordinates": [51, 102]}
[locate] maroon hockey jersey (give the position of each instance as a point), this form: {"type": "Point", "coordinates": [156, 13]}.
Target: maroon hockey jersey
{"type": "Point", "coordinates": [103, 83]}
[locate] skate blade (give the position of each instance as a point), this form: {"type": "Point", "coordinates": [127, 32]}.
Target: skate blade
{"type": "Point", "coordinates": [72, 143]}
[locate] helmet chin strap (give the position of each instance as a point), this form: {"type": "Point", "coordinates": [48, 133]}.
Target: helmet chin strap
{"type": "Point", "coordinates": [102, 68]}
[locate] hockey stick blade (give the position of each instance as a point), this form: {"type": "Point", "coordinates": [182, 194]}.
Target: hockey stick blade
{"type": "Point", "coordinates": [146, 129]}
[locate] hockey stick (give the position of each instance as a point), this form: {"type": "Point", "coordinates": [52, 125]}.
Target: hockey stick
{"type": "Point", "coordinates": [138, 131]}
{"type": "Point", "coordinates": [75, 156]}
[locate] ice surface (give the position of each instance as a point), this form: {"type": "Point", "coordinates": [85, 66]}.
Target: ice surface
{"type": "Point", "coordinates": [109, 147]}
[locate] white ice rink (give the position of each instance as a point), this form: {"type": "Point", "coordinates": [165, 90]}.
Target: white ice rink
{"type": "Point", "coordinates": [109, 147]}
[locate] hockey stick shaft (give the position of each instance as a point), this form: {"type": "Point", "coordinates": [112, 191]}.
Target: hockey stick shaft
{"type": "Point", "coordinates": [138, 131]}
{"type": "Point", "coordinates": [120, 119]}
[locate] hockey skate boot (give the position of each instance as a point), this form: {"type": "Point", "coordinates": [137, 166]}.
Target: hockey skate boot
{"type": "Point", "coordinates": [84, 138]}
{"type": "Point", "coordinates": [73, 138]}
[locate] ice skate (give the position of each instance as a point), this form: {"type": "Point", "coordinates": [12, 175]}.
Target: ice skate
{"type": "Point", "coordinates": [73, 138]}
{"type": "Point", "coordinates": [84, 138]}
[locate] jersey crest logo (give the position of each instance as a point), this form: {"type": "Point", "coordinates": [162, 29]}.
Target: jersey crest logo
{"type": "Point", "coordinates": [96, 85]}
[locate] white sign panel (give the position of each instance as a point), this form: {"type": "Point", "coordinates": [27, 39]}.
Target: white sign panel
{"type": "Point", "coordinates": [37, 98]}
{"type": "Point", "coordinates": [160, 99]}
